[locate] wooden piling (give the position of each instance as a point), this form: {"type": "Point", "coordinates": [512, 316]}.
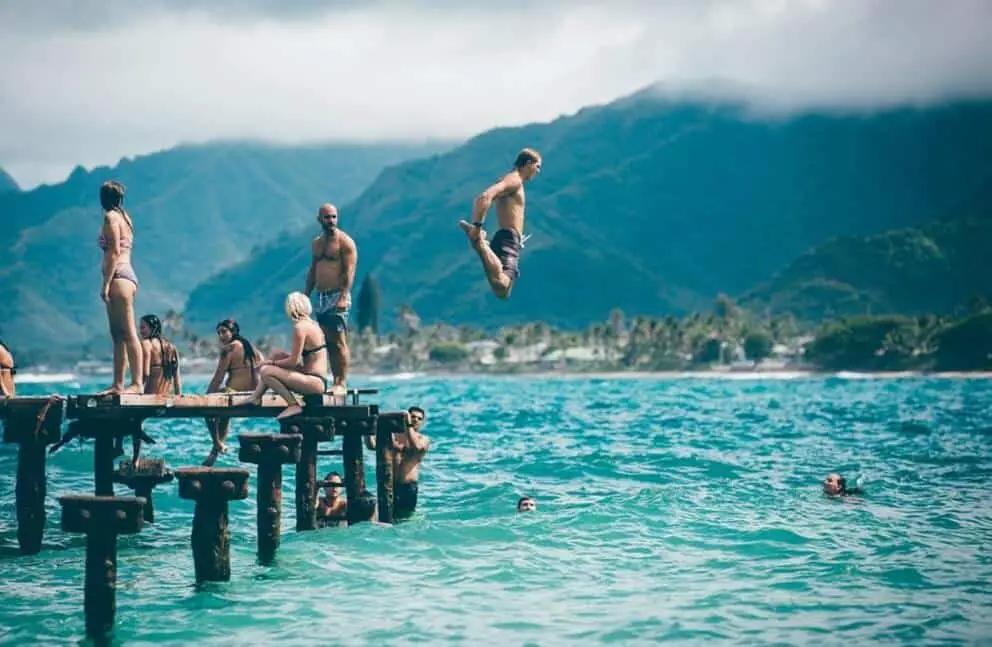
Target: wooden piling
{"type": "Point", "coordinates": [32, 423]}
{"type": "Point", "coordinates": [270, 452]}
{"type": "Point", "coordinates": [211, 488]}
{"type": "Point", "coordinates": [150, 473]}
{"type": "Point", "coordinates": [101, 519]}
{"type": "Point", "coordinates": [313, 431]}
{"type": "Point", "coordinates": [387, 425]}
{"type": "Point", "coordinates": [352, 446]}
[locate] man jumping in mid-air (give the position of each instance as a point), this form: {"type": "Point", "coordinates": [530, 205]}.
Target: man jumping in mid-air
{"type": "Point", "coordinates": [501, 257]}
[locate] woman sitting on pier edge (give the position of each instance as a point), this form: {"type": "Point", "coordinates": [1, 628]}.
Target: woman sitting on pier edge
{"type": "Point", "coordinates": [161, 359]}
{"type": "Point", "coordinates": [7, 371]}
{"type": "Point", "coordinates": [238, 364]}
{"type": "Point", "coordinates": [304, 369]}
{"type": "Point", "coordinates": [120, 284]}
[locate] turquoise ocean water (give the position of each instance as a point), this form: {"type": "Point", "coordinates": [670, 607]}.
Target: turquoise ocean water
{"type": "Point", "coordinates": [682, 510]}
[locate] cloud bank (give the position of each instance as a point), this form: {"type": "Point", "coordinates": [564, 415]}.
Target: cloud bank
{"type": "Point", "coordinates": [88, 81]}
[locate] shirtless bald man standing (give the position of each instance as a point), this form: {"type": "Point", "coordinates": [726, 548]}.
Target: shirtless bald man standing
{"type": "Point", "coordinates": [501, 257]}
{"type": "Point", "coordinates": [334, 258]}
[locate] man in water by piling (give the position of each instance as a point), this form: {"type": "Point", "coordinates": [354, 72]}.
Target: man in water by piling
{"type": "Point", "coordinates": [333, 259]}
{"type": "Point", "coordinates": [410, 448]}
{"type": "Point", "coordinates": [501, 257]}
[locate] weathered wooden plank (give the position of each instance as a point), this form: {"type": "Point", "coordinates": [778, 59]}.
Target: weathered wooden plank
{"type": "Point", "coordinates": [214, 405]}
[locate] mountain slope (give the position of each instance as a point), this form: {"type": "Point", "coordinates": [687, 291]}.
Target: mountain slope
{"type": "Point", "coordinates": [195, 208]}
{"type": "Point", "coordinates": [931, 269]}
{"type": "Point", "coordinates": [643, 204]}
{"type": "Point", "coordinates": [7, 183]}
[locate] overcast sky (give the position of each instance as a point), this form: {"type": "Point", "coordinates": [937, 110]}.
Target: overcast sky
{"type": "Point", "coordinates": [89, 81]}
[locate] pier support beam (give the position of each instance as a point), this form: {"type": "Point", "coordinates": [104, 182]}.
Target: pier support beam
{"type": "Point", "coordinates": [150, 473]}
{"type": "Point", "coordinates": [352, 447]}
{"type": "Point", "coordinates": [387, 425]}
{"type": "Point", "coordinates": [32, 425]}
{"type": "Point", "coordinates": [101, 519]}
{"type": "Point", "coordinates": [270, 452]}
{"type": "Point", "coordinates": [211, 488]}
{"type": "Point", "coordinates": [313, 431]}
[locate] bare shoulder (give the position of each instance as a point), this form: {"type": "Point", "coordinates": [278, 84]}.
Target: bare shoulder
{"type": "Point", "coordinates": [512, 181]}
{"type": "Point", "coordinates": [346, 240]}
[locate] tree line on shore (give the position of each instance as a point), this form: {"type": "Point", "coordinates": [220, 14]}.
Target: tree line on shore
{"type": "Point", "coordinates": [726, 335]}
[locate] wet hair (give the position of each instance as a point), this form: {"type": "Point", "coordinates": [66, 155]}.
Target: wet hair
{"type": "Point", "coordinates": [112, 195]}
{"type": "Point", "coordinates": [332, 474]}
{"type": "Point", "coordinates": [365, 506]}
{"type": "Point", "coordinates": [525, 157]}
{"type": "Point", "coordinates": [418, 410]}
{"type": "Point", "coordinates": [522, 499]}
{"type": "Point", "coordinates": [298, 306]}
{"type": "Point", "coordinates": [170, 356]}
{"type": "Point", "coordinates": [232, 326]}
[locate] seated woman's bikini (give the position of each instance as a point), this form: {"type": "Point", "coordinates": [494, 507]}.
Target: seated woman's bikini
{"type": "Point", "coordinates": [307, 352]}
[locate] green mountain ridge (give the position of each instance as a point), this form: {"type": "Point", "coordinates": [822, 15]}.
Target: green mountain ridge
{"type": "Point", "coordinates": [644, 204]}
{"type": "Point", "coordinates": [7, 183]}
{"type": "Point", "coordinates": [196, 208]}
{"type": "Point", "coordinates": [936, 268]}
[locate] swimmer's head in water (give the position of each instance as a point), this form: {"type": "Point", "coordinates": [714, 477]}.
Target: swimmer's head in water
{"type": "Point", "coordinates": [526, 504]}
{"type": "Point", "coordinates": [834, 484]}
{"type": "Point", "coordinates": [327, 216]}
{"type": "Point", "coordinates": [528, 163]}
{"type": "Point", "coordinates": [365, 506]}
{"type": "Point", "coordinates": [416, 417]}
{"type": "Point", "coordinates": [335, 487]}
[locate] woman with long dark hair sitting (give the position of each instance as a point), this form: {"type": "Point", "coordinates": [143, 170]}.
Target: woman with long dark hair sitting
{"type": "Point", "coordinates": [237, 368]}
{"type": "Point", "coordinates": [161, 359]}
{"type": "Point", "coordinates": [7, 371]}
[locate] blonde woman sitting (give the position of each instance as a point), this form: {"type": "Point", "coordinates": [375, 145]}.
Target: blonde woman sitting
{"type": "Point", "coordinates": [302, 370]}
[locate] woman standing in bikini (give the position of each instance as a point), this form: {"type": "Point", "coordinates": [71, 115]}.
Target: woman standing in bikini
{"type": "Point", "coordinates": [238, 365]}
{"type": "Point", "coordinates": [304, 369]}
{"type": "Point", "coordinates": [7, 371]}
{"type": "Point", "coordinates": [161, 359]}
{"type": "Point", "coordinates": [119, 286]}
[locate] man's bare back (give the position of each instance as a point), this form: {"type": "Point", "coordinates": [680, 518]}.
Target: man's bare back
{"type": "Point", "coordinates": [500, 257]}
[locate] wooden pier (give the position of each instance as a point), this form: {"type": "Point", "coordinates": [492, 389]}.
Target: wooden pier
{"type": "Point", "coordinates": [35, 424]}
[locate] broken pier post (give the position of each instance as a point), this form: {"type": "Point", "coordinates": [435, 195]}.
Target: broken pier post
{"type": "Point", "coordinates": [211, 488]}
{"type": "Point", "coordinates": [270, 452]}
{"type": "Point", "coordinates": [101, 519]}
{"type": "Point", "coordinates": [31, 423]}
{"type": "Point", "coordinates": [150, 473]}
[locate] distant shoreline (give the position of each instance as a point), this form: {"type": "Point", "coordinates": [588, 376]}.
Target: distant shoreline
{"type": "Point", "coordinates": [25, 376]}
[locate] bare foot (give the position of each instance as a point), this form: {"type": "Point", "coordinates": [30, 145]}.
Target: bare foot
{"type": "Point", "coordinates": [111, 390]}
{"type": "Point", "coordinates": [339, 389]}
{"type": "Point", "coordinates": [134, 388]}
{"type": "Point", "coordinates": [475, 234]}
{"type": "Point", "coordinates": [290, 411]}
